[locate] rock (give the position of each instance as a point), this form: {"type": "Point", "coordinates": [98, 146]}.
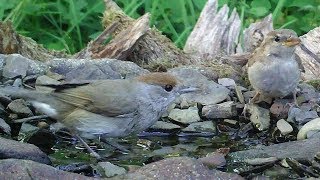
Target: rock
{"type": "Point", "coordinates": [17, 65]}
{"type": "Point", "coordinates": [310, 126]}
{"type": "Point", "coordinates": [239, 94]}
{"type": "Point", "coordinates": [308, 92]}
{"type": "Point", "coordinates": [205, 126]}
{"type": "Point", "coordinates": [261, 161]}
{"type": "Point", "coordinates": [111, 170]}
{"type": "Point", "coordinates": [19, 106]}
{"type": "Point", "coordinates": [214, 160]}
{"type": "Point", "coordinates": [185, 116]}
{"type": "Point", "coordinates": [26, 169]}
{"type": "Point", "coordinates": [27, 129]}
{"type": "Point", "coordinates": [300, 150]}
{"type": "Point", "coordinates": [260, 117]}
{"type": "Point", "coordinates": [77, 168]}
{"type": "Point", "coordinates": [4, 127]}
{"type": "Point", "coordinates": [87, 69]}
{"type": "Point", "coordinates": [313, 134]}
{"type": "Point", "coordinates": [43, 80]}
{"type": "Point", "coordinates": [279, 109]}
{"type": "Point", "coordinates": [226, 82]}
{"type": "Point", "coordinates": [301, 116]}
{"type": "Point", "coordinates": [178, 168]}
{"type": "Point", "coordinates": [284, 127]}
{"type": "Point", "coordinates": [19, 150]}
{"type": "Point", "coordinates": [164, 126]}
{"type": "Point", "coordinates": [17, 83]}
{"type": "Point", "coordinates": [223, 110]}
{"type": "Point", "coordinates": [210, 92]}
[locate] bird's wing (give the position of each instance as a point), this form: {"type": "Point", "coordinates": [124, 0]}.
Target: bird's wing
{"type": "Point", "coordinates": [107, 97]}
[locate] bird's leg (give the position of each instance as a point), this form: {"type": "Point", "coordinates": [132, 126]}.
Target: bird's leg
{"type": "Point", "coordinates": [251, 101]}
{"type": "Point", "coordinates": [92, 153]}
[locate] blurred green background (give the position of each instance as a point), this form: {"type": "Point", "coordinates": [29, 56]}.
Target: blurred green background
{"type": "Point", "coordinates": [70, 24]}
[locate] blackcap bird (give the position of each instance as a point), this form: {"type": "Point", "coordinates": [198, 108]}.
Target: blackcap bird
{"type": "Point", "coordinates": [111, 108]}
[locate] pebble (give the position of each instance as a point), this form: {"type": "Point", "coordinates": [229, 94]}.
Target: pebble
{"type": "Point", "coordinates": [260, 117]}
{"type": "Point", "coordinates": [205, 126]}
{"type": "Point", "coordinates": [284, 127]}
{"type": "Point", "coordinates": [185, 116]}
{"type": "Point", "coordinates": [261, 161]}
{"type": "Point", "coordinates": [4, 127]}
{"type": "Point", "coordinates": [223, 110]}
{"type": "Point", "coordinates": [111, 170]}
{"type": "Point", "coordinates": [19, 106]}
{"type": "Point", "coordinates": [226, 82]}
{"type": "Point", "coordinates": [310, 126]}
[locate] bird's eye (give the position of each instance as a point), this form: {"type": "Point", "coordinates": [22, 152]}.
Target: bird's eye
{"type": "Point", "coordinates": [168, 87]}
{"type": "Point", "coordinates": [277, 39]}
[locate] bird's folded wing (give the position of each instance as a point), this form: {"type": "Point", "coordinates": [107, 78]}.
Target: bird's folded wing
{"type": "Point", "coordinates": [114, 99]}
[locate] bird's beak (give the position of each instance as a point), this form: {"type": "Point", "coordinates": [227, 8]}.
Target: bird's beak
{"type": "Point", "coordinates": [292, 42]}
{"type": "Point", "coordinates": [188, 90]}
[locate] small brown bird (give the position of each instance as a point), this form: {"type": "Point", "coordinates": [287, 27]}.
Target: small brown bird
{"type": "Point", "coordinates": [111, 108]}
{"type": "Point", "coordinates": [272, 69]}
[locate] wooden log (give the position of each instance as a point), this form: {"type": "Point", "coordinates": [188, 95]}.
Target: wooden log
{"type": "Point", "coordinates": [214, 34]}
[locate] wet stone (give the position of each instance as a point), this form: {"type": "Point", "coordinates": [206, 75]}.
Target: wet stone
{"type": "Point", "coordinates": [19, 106]}
{"type": "Point", "coordinates": [260, 117]}
{"type": "Point", "coordinates": [301, 116]}
{"type": "Point", "coordinates": [161, 125]}
{"type": "Point", "coordinates": [213, 160]}
{"type": "Point", "coordinates": [284, 127]}
{"type": "Point", "coordinates": [16, 65]}
{"type": "Point", "coordinates": [205, 126]}
{"type": "Point", "coordinates": [43, 80]}
{"type": "Point", "coordinates": [185, 116]}
{"type": "Point", "coordinates": [310, 126]}
{"type": "Point", "coordinates": [223, 110]}
{"type": "Point", "coordinates": [4, 127]}
{"type": "Point", "coordinates": [226, 82]}
{"type": "Point", "coordinates": [111, 170]}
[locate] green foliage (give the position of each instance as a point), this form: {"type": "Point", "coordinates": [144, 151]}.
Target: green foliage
{"type": "Point", "coordinates": [70, 24]}
{"type": "Point", "coordinates": [58, 24]}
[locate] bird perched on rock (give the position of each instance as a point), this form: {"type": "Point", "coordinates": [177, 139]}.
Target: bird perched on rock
{"type": "Point", "coordinates": [111, 108]}
{"type": "Point", "coordinates": [272, 69]}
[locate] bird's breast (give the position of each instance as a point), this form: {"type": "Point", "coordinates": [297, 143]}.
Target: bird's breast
{"type": "Point", "coordinates": [278, 78]}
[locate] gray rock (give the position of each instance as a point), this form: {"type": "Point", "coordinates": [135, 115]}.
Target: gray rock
{"type": "Point", "coordinates": [87, 69]}
{"type": "Point", "coordinates": [17, 65]}
{"type": "Point", "coordinates": [164, 126]}
{"type": "Point", "coordinates": [300, 150]}
{"type": "Point", "coordinates": [19, 150]}
{"type": "Point", "coordinates": [260, 117]}
{"type": "Point", "coordinates": [226, 82]}
{"type": "Point", "coordinates": [19, 106]}
{"type": "Point", "coordinates": [308, 92]}
{"type": "Point", "coordinates": [43, 80]}
{"type": "Point", "coordinates": [4, 127]}
{"type": "Point", "coordinates": [17, 83]}
{"type": "Point", "coordinates": [239, 94]}
{"type": "Point", "coordinates": [28, 170]}
{"type": "Point", "coordinates": [185, 116]}
{"type": "Point", "coordinates": [313, 134]}
{"type": "Point", "coordinates": [205, 126]}
{"type": "Point", "coordinates": [310, 126]}
{"type": "Point", "coordinates": [210, 92]}
{"type": "Point", "coordinates": [261, 161]}
{"type": "Point", "coordinates": [111, 170]}
{"type": "Point", "coordinates": [178, 168]}
{"type": "Point", "coordinates": [248, 95]}
{"type": "Point", "coordinates": [284, 127]}
{"type": "Point", "coordinates": [223, 110]}
{"type": "Point", "coordinates": [301, 116]}
{"type": "Point", "coordinates": [213, 160]}
{"type": "Point", "coordinates": [27, 129]}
